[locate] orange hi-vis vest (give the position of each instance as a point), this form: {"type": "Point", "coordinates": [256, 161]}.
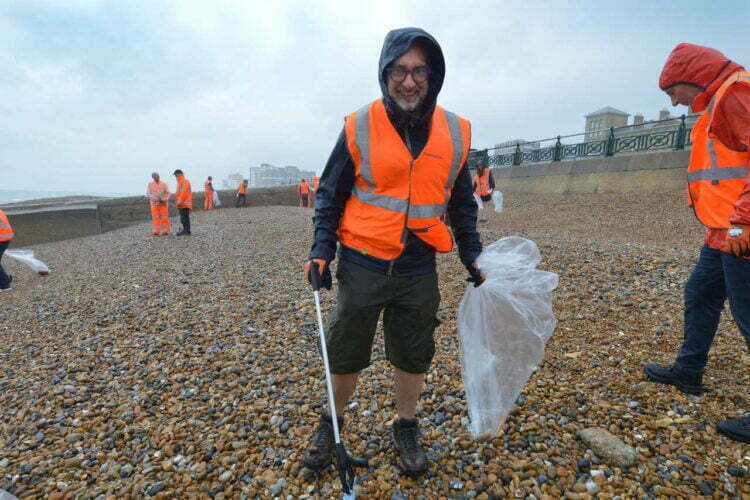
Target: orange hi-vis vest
{"type": "Point", "coordinates": [483, 183]}
{"type": "Point", "coordinates": [184, 195]}
{"type": "Point", "coordinates": [208, 187]}
{"type": "Point", "coordinates": [242, 189]}
{"type": "Point", "coordinates": [393, 192]}
{"type": "Point", "coordinates": [6, 232]}
{"type": "Point", "coordinates": [716, 175]}
{"type": "Point", "coordinates": [303, 188]}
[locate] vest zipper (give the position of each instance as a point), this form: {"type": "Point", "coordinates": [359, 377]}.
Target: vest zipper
{"type": "Point", "coordinates": [405, 232]}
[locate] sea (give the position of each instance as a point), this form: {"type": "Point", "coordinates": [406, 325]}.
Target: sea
{"type": "Point", "coordinates": [15, 195]}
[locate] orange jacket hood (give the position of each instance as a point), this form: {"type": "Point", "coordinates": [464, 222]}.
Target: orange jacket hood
{"type": "Point", "coordinates": [697, 65]}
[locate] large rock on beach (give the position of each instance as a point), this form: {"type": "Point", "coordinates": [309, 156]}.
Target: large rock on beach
{"type": "Point", "coordinates": [608, 446]}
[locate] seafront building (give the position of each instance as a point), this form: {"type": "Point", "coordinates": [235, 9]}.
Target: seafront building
{"type": "Point", "coordinates": [268, 175]}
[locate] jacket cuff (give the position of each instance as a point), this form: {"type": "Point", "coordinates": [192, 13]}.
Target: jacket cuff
{"type": "Point", "coordinates": [319, 251]}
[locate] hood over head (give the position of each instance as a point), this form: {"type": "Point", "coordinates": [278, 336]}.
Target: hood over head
{"type": "Point", "coordinates": [704, 67]}
{"type": "Point", "coordinates": [396, 44]}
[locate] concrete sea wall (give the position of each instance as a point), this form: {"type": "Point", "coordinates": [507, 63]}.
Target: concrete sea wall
{"type": "Point", "coordinates": [48, 221]}
{"type": "Point", "coordinates": [663, 171]}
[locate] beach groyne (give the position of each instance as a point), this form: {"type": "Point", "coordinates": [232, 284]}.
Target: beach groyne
{"type": "Point", "coordinates": [48, 221]}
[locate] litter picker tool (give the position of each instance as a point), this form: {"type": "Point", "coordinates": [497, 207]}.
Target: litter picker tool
{"type": "Point", "coordinates": [343, 461]}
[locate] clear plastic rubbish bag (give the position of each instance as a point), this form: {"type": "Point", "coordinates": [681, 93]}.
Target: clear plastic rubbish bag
{"type": "Point", "coordinates": [497, 199]}
{"type": "Point", "coordinates": [27, 257]}
{"type": "Point", "coordinates": [480, 205]}
{"type": "Point", "coordinates": [502, 327]}
{"type": "Point", "coordinates": [217, 200]}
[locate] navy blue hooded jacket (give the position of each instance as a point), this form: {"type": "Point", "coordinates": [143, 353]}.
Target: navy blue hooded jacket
{"type": "Point", "coordinates": [337, 179]}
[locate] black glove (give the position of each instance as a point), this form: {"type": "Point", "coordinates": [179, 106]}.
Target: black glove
{"type": "Point", "coordinates": [316, 280]}
{"type": "Point", "coordinates": [475, 276]}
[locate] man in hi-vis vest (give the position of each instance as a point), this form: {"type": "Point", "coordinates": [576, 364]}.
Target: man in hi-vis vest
{"type": "Point", "coordinates": [719, 193]}
{"type": "Point", "coordinates": [398, 166]}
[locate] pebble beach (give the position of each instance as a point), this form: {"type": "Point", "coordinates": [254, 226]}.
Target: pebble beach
{"type": "Point", "coordinates": [165, 367]}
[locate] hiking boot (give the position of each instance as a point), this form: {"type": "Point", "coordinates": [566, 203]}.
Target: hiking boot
{"type": "Point", "coordinates": [690, 383]}
{"type": "Point", "coordinates": [406, 442]}
{"type": "Point", "coordinates": [736, 428]}
{"type": "Point", "coordinates": [322, 444]}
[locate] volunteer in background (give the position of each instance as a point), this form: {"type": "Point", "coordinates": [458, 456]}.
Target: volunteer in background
{"type": "Point", "coordinates": [303, 190]}
{"type": "Point", "coordinates": [6, 234]}
{"type": "Point", "coordinates": [183, 201]}
{"type": "Point", "coordinates": [708, 82]}
{"type": "Point", "coordinates": [241, 194]}
{"type": "Point", "coordinates": [208, 194]}
{"type": "Point", "coordinates": [484, 184]}
{"type": "Point", "coordinates": [157, 192]}
{"type": "Point", "coordinates": [313, 190]}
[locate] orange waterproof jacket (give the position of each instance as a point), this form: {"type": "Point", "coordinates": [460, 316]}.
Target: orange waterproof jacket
{"type": "Point", "coordinates": [716, 175]}
{"type": "Point", "coordinates": [157, 192]}
{"type": "Point", "coordinates": [208, 187]}
{"type": "Point", "coordinates": [393, 192]}
{"type": "Point", "coordinates": [242, 189]}
{"type": "Point", "coordinates": [303, 187]}
{"type": "Point", "coordinates": [184, 195]}
{"type": "Point", "coordinates": [483, 183]}
{"type": "Point", "coordinates": [6, 232]}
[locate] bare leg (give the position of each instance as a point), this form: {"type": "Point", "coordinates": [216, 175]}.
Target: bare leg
{"type": "Point", "coordinates": [408, 388]}
{"type": "Point", "coordinates": [343, 388]}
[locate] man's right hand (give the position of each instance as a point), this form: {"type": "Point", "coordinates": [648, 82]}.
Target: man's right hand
{"type": "Point", "coordinates": [322, 271]}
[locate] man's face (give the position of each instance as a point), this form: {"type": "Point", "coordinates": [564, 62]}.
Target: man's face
{"type": "Point", "coordinates": [408, 93]}
{"type": "Point", "coordinates": [683, 93]}
{"type": "Point", "coordinates": [155, 177]}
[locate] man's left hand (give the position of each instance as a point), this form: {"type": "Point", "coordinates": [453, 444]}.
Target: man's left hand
{"type": "Point", "coordinates": [475, 275]}
{"type": "Point", "coordinates": [739, 245]}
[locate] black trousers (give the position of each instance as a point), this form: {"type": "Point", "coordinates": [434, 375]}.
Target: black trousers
{"type": "Point", "coordinates": [243, 198]}
{"type": "Point", "coordinates": [4, 279]}
{"type": "Point", "coordinates": [185, 219]}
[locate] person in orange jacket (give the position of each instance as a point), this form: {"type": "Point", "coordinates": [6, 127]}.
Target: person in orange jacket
{"type": "Point", "coordinates": [6, 235]}
{"type": "Point", "coordinates": [157, 192]}
{"type": "Point", "coordinates": [208, 190]}
{"type": "Point", "coordinates": [303, 190]}
{"type": "Point", "coordinates": [241, 194]}
{"type": "Point", "coordinates": [719, 189]}
{"type": "Point", "coordinates": [183, 201]}
{"type": "Point", "coordinates": [484, 184]}
{"type": "Point", "coordinates": [313, 190]}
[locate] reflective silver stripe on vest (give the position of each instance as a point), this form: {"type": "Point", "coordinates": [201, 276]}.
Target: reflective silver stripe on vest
{"type": "Point", "coordinates": [362, 139]}
{"type": "Point", "coordinates": [426, 211]}
{"type": "Point", "coordinates": [379, 200]}
{"type": "Point", "coordinates": [458, 145]}
{"type": "Point", "coordinates": [717, 174]}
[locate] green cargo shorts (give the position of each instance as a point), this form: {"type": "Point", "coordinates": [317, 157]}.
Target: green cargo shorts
{"type": "Point", "coordinates": [410, 305]}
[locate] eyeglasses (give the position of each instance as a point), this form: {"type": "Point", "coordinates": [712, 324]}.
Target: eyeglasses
{"type": "Point", "coordinates": [418, 74]}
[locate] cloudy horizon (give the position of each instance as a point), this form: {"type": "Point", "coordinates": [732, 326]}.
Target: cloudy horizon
{"type": "Point", "coordinates": [97, 95]}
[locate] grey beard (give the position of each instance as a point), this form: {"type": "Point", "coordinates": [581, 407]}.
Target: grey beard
{"type": "Point", "coordinates": [408, 107]}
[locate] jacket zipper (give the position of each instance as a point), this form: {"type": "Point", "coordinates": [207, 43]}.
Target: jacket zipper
{"type": "Point", "coordinates": [405, 232]}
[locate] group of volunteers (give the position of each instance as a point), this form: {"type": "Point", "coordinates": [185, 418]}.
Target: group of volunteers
{"type": "Point", "coordinates": [307, 192]}
{"type": "Point", "coordinates": [398, 170]}
{"type": "Point", "coordinates": [158, 195]}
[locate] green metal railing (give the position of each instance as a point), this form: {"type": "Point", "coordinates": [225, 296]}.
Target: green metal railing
{"type": "Point", "coordinates": [619, 140]}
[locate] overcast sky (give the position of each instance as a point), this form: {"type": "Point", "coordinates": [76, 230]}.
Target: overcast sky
{"type": "Point", "coordinates": [95, 95]}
